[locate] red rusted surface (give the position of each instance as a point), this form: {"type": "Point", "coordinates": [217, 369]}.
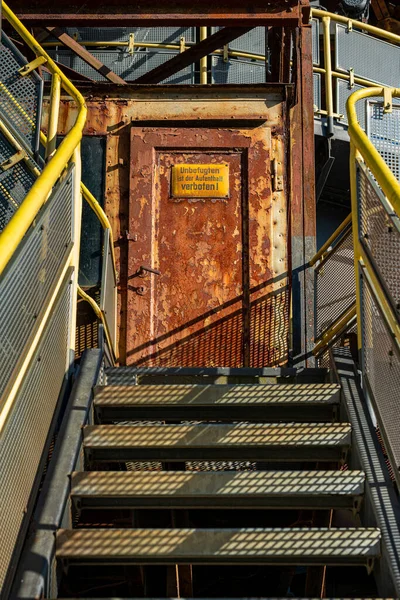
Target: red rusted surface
{"type": "Point", "coordinates": [160, 13]}
{"type": "Point", "coordinates": [216, 302]}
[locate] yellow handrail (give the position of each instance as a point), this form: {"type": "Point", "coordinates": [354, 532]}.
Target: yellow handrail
{"type": "Point", "coordinates": [17, 227]}
{"type": "Point", "coordinates": [333, 238]}
{"type": "Point", "coordinates": [99, 314]}
{"type": "Point", "coordinates": [371, 156]}
{"type": "Point", "coordinates": [13, 233]}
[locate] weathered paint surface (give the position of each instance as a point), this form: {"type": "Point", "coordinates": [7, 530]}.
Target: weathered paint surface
{"type": "Point", "coordinates": [217, 300]}
{"type": "Point", "coordinates": [257, 228]}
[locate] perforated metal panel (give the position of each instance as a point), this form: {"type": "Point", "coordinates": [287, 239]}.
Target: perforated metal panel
{"type": "Point", "coordinates": [14, 183]}
{"type": "Point", "coordinates": [108, 298]}
{"type": "Point", "coordinates": [23, 439]}
{"type": "Point", "coordinates": [239, 69]}
{"type": "Point", "coordinates": [315, 41]}
{"type": "Point", "coordinates": [118, 59]}
{"type": "Point", "coordinates": [317, 89]}
{"type": "Point", "coordinates": [25, 285]}
{"type": "Point", "coordinates": [379, 231]}
{"type": "Point", "coordinates": [335, 288]}
{"type": "Point", "coordinates": [383, 129]}
{"type": "Point", "coordinates": [371, 58]}
{"type": "Point", "coordinates": [343, 91]}
{"type": "Point", "coordinates": [123, 64]}
{"type": "Point", "coordinates": [381, 362]}
{"type": "Point", "coordinates": [21, 97]}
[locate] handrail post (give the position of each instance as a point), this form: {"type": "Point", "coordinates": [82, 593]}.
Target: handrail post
{"type": "Point", "coordinates": [326, 23]}
{"type": "Point", "coordinates": [356, 241]}
{"type": "Point", "coordinates": [203, 61]}
{"type": "Point", "coordinates": [55, 97]}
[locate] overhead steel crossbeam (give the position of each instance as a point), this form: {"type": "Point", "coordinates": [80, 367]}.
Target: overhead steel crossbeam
{"type": "Point", "coordinates": [157, 13]}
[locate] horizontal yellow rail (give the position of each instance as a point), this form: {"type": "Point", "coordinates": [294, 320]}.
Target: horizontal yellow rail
{"type": "Point", "coordinates": [387, 35]}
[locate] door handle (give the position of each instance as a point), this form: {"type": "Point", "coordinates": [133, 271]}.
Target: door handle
{"type": "Point", "coordinates": [142, 270]}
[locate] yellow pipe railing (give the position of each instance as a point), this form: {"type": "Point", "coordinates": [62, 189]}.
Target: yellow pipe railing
{"type": "Point", "coordinates": [16, 228]}
{"type": "Point", "coordinates": [331, 240]}
{"type": "Point", "coordinates": [13, 233]}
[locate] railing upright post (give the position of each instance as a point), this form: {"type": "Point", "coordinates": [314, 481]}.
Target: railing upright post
{"type": "Point", "coordinates": [356, 240]}
{"type": "Point", "coordinates": [55, 96]}
{"type": "Point", "coordinates": [77, 220]}
{"type": "Point", "coordinates": [203, 61]}
{"type": "Point", "coordinates": [326, 22]}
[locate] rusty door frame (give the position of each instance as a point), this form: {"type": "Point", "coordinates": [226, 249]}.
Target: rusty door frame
{"type": "Point", "coordinates": [149, 140]}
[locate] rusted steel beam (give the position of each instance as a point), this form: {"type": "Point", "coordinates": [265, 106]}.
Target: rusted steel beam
{"type": "Point", "coordinates": [85, 55]}
{"type": "Point", "coordinates": [193, 54]}
{"type": "Point", "coordinates": [288, 13]}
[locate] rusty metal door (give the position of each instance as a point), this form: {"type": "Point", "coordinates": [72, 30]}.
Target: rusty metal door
{"type": "Point", "coordinates": [202, 290]}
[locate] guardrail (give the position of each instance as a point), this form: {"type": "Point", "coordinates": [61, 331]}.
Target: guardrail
{"type": "Point", "coordinates": [355, 55]}
{"type": "Point", "coordinates": [41, 201]}
{"type": "Point", "coordinates": [375, 193]}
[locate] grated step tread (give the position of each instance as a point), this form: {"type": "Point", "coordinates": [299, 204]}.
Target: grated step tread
{"type": "Point", "coordinates": [223, 489]}
{"type": "Point", "coordinates": [316, 546]}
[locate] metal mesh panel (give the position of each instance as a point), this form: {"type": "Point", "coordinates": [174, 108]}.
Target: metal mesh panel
{"type": "Point", "coordinates": [25, 287]}
{"type": "Point", "coordinates": [343, 91]}
{"type": "Point", "coordinates": [20, 97]}
{"type": "Point", "coordinates": [108, 299]}
{"type": "Point", "coordinates": [238, 69]}
{"type": "Point", "coordinates": [315, 41]}
{"type": "Point", "coordinates": [15, 183]}
{"type": "Point", "coordinates": [166, 35]}
{"type": "Point", "coordinates": [379, 232]}
{"type": "Point", "coordinates": [381, 366]}
{"type": "Point", "coordinates": [23, 438]}
{"type": "Point", "coordinates": [335, 286]}
{"type": "Point", "coordinates": [371, 58]}
{"type": "Point", "coordinates": [384, 131]}
{"type": "Point", "coordinates": [317, 89]}
{"type": "Point", "coordinates": [123, 64]}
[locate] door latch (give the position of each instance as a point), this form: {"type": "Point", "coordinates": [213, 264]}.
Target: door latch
{"type": "Point", "coordinates": [142, 270]}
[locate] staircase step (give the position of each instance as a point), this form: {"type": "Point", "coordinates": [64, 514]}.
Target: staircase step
{"type": "Point", "coordinates": [355, 546]}
{"type": "Point", "coordinates": [247, 489]}
{"type": "Point", "coordinates": [267, 442]}
{"type": "Point", "coordinates": [280, 402]}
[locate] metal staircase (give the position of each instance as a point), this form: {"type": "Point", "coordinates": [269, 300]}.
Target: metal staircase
{"type": "Point", "coordinates": [279, 448]}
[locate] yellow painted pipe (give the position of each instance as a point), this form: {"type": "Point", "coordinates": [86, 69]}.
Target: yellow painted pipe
{"type": "Point", "coordinates": [55, 96]}
{"type": "Point", "coordinates": [203, 61]}
{"type": "Point", "coordinates": [17, 227]}
{"type": "Point", "coordinates": [99, 314]}
{"type": "Point", "coordinates": [386, 179]}
{"type": "Point", "coordinates": [326, 23]}
{"type": "Point", "coordinates": [392, 37]}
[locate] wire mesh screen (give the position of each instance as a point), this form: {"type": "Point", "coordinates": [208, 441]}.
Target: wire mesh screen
{"type": "Point", "coordinates": [315, 41]}
{"type": "Point", "coordinates": [241, 69]}
{"type": "Point", "coordinates": [20, 97]}
{"type": "Point", "coordinates": [24, 436]}
{"type": "Point", "coordinates": [108, 298]}
{"type": "Point", "coordinates": [317, 90]}
{"type": "Point", "coordinates": [370, 58]}
{"type": "Point", "coordinates": [119, 59]}
{"type": "Point", "coordinates": [384, 131]}
{"type": "Point", "coordinates": [335, 287]}
{"type": "Point", "coordinates": [379, 232]}
{"type": "Point", "coordinates": [25, 286]}
{"type": "Point", "coordinates": [381, 366]}
{"type": "Point", "coordinates": [15, 183]}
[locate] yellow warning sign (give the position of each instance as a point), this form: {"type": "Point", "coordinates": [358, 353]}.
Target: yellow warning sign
{"type": "Point", "coordinates": [200, 181]}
